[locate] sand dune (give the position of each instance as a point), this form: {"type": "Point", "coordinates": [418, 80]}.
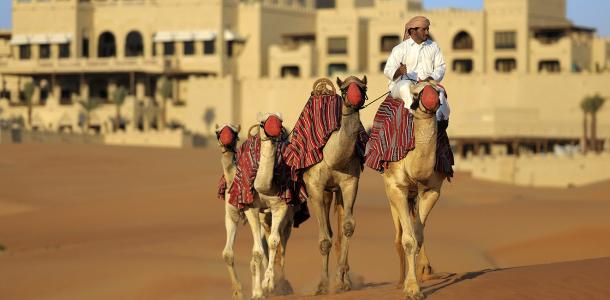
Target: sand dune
{"type": "Point", "coordinates": [96, 222]}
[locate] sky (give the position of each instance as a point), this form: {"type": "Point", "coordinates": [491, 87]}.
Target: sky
{"type": "Point", "coordinates": [591, 14]}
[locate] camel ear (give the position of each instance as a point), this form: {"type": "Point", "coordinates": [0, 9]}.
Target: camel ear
{"type": "Point", "coordinates": [339, 82]}
{"type": "Point", "coordinates": [364, 79]}
{"type": "Point", "coordinates": [238, 128]}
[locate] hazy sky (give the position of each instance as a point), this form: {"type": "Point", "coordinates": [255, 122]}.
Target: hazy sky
{"type": "Point", "coordinates": [590, 13]}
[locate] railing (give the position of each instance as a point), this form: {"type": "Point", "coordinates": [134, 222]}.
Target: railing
{"type": "Point", "coordinates": [125, 64]}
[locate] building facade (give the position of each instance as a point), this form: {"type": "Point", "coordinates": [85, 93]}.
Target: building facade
{"type": "Point", "coordinates": [227, 60]}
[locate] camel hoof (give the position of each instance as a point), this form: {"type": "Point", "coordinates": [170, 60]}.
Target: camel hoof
{"type": "Point", "coordinates": [344, 284]}
{"type": "Point", "coordinates": [399, 285]}
{"type": "Point", "coordinates": [322, 288]}
{"type": "Point", "coordinates": [237, 294]}
{"type": "Point", "coordinates": [283, 288]}
{"type": "Point", "coordinates": [425, 272]}
{"type": "Point", "coordinates": [413, 293]}
{"type": "Point", "coordinates": [257, 296]}
{"type": "Point", "coordinates": [268, 285]}
{"type": "Point", "coordinates": [415, 296]}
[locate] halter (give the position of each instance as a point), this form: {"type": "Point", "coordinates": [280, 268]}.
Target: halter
{"type": "Point", "coordinates": [347, 103]}
{"type": "Point", "coordinates": [231, 147]}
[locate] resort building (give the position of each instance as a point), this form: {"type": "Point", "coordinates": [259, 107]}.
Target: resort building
{"type": "Point", "coordinates": [517, 70]}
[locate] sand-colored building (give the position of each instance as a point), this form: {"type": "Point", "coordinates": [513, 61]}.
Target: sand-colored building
{"type": "Point", "coordinates": [517, 69]}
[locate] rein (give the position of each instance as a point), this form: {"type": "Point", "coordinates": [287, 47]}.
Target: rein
{"type": "Point", "coordinates": [366, 97]}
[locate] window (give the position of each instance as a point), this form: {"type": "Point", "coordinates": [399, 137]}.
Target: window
{"type": "Point", "coordinates": [154, 49]}
{"type": "Point", "coordinates": [382, 66]}
{"type": "Point", "coordinates": [168, 48]}
{"type": "Point", "coordinates": [388, 42]}
{"type": "Point", "coordinates": [44, 51]}
{"type": "Point", "coordinates": [551, 66]}
{"type": "Point", "coordinates": [325, 3]}
{"type": "Point", "coordinates": [463, 41]}
{"type": "Point", "coordinates": [189, 48]}
{"type": "Point", "coordinates": [85, 49]}
{"type": "Point", "coordinates": [462, 66]}
{"type": "Point", "coordinates": [64, 50]}
{"type": "Point", "coordinates": [5, 94]}
{"type": "Point", "coordinates": [209, 47]}
{"type": "Point", "coordinates": [25, 51]}
{"type": "Point", "coordinates": [337, 45]}
{"type": "Point", "coordinates": [106, 45]}
{"type": "Point", "coordinates": [506, 65]}
{"type": "Point", "coordinates": [134, 46]}
{"type": "Point", "coordinates": [336, 68]}
{"type": "Point", "coordinates": [291, 71]}
{"type": "Point", "coordinates": [65, 97]}
{"type": "Point", "coordinates": [505, 40]}
{"type": "Point", "coordinates": [44, 95]}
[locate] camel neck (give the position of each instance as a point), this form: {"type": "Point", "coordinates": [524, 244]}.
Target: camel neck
{"type": "Point", "coordinates": [228, 165]}
{"type": "Point", "coordinates": [425, 130]}
{"type": "Point", "coordinates": [264, 175]}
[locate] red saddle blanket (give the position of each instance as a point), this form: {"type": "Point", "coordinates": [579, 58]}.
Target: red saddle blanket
{"type": "Point", "coordinates": [391, 135]}
{"type": "Point", "coordinates": [222, 188]}
{"type": "Point", "coordinates": [241, 193]}
{"type": "Point", "coordinates": [320, 117]}
{"type": "Point", "coordinates": [392, 138]}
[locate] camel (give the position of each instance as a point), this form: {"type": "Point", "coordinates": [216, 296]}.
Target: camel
{"type": "Point", "coordinates": [278, 225]}
{"type": "Point", "coordinates": [338, 174]}
{"type": "Point", "coordinates": [227, 136]}
{"type": "Point", "coordinates": [413, 187]}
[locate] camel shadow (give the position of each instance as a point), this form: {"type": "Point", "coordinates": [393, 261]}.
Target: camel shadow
{"type": "Point", "coordinates": [448, 279]}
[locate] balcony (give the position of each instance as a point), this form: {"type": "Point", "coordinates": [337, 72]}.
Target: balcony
{"type": "Point", "coordinates": [112, 65]}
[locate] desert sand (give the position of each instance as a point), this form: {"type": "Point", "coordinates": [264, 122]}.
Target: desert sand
{"type": "Point", "coordinates": [99, 222]}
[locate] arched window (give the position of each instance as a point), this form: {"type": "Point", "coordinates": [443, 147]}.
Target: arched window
{"type": "Point", "coordinates": [506, 65]}
{"type": "Point", "coordinates": [463, 41]}
{"type": "Point", "coordinates": [106, 45]}
{"type": "Point", "coordinates": [551, 66]}
{"type": "Point", "coordinates": [134, 45]}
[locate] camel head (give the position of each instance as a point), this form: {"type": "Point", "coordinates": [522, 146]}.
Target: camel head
{"type": "Point", "coordinates": [426, 97]}
{"type": "Point", "coordinates": [353, 91]}
{"type": "Point", "coordinates": [227, 136]}
{"type": "Point", "coordinates": [271, 123]}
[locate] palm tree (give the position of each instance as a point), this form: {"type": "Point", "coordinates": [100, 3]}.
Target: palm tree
{"type": "Point", "coordinates": [165, 90]}
{"type": "Point", "coordinates": [585, 106]}
{"type": "Point", "coordinates": [89, 105]}
{"type": "Point", "coordinates": [28, 92]}
{"type": "Point", "coordinates": [118, 98]}
{"type": "Point", "coordinates": [596, 102]}
{"type": "Point", "coordinates": [591, 105]}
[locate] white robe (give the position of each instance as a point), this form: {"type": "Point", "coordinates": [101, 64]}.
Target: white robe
{"type": "Point", "coordinates": [422, 61]}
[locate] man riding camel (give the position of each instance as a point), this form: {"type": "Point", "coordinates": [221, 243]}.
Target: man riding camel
{"type": "Point", "coordinates": [416, 59]}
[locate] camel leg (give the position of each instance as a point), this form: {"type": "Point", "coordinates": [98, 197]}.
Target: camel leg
{"type": "Point", "coordinates": [257, 253]}
{"type": "Point", "coordinates": [427, 199]}
{"type": "Point", "coordinates": [398, 244]}
{"type": "Point", "coordinates": [265, 231]}
{"type": "Point", "coordinates": [231, 222]}
{"type": "Point", "coordinates": [398, 198]}
{"type": "Point", "coordinates": [319, 205]}
{"type": "Point", "coordinates": [279, 208]}
{"type": "Point", "coordinates": [349, 191]}
{"type": "Point", "coordinates": [284, 287]}
{"type": "Point", "coordinates": [339, 212]}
